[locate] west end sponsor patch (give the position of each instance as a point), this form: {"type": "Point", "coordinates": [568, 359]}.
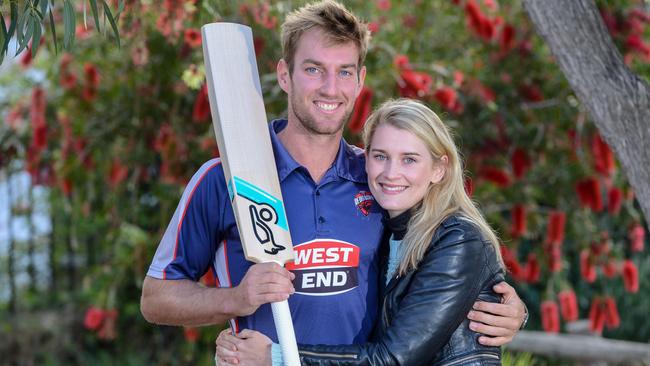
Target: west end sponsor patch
{"type": "Point", "coordinates": [325, 267]}
{"type": "Point", "coordinates": [363, 200]}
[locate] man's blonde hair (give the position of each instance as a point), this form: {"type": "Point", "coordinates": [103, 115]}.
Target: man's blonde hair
{"type": "Point", "coordinates": [337, 23]}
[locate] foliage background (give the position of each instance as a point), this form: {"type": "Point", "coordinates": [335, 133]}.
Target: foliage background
{"type": "Point", "coordinates": [97, 143]}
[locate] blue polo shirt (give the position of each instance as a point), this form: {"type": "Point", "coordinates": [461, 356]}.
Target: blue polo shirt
{"type": "Point", "coordinates": [336, 231]}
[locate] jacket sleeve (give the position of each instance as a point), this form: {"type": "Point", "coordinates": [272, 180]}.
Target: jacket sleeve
{"type": "Point", "coordinates": [440, 295]}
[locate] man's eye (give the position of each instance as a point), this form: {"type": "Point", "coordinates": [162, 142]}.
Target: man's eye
{"type": "Point", "coordinates": [311, 70]}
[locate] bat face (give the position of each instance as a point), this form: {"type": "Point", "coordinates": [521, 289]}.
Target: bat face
{"type": "Point", "coordinates": [241, 128]}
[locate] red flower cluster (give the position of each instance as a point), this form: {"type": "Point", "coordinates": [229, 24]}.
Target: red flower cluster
{"type": "Point", "coordinates": [118, 173]}
{"type": "Point", "coordinates": [67, 79]}
{"type": "Point", "coordinates": [201, 109]}
{"type": "Point", "coordinates": [555, 228]}
{"type": "Point", "coordinates": [102, 322]}
{"type": "Point", "coordinates": [550, 316]}
{"type": "Point", "coordinates": [518, 221]}
{"type": "Point", "coordinates": [603, 156]}
{"type": "Point", "coordinates": [192, 37]}
{"type": "Point", "coordinates": [260, 13]}
{"type": "Point", "coordinates": [448, 98]}
{"type": "Point", "coordinates": [603, 313]}
{"type": "Point", "coordinates": [91, 75]}
{"type": "Point", "coordinates": [614, 200]}
{"type": "Point", "coordinates": [531, 270]}
{"type": "Point", "coordinates": [587, 266]}
{"type": "Point", "coordinates": [411, 84]}
{"type": "Point", "coordinates": [482, 25]}
{"type": "Point", "coordinates": [630, 276]}
{"type": "Point", "coordinates": [495, 175]}
{"type": "Point", "coordinates": [511, 262]}
{"type": "Point", "coordinates": [568, 305]}
{"type": "Point", "coordinates": [520, 163]}
{"type": "Point", "coordinates": [531, 93]}
{"type": "Point", "coordinates": [362, 107]}
{"type": "Point", "coordinates": [589, 194]}
{"type": "Point", "coordinates": [637, 237]}
{"type": "Point", "coordinates": [191, 334]}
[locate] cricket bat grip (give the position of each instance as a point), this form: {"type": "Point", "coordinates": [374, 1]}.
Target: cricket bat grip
{"type": "Point", "coordinates": [286, 335]}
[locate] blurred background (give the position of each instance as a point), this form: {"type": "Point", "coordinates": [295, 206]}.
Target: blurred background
{"type": "Point", "coordinates": [98, 141]}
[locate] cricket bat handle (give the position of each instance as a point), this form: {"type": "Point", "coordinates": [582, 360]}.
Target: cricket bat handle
{"type": "Point", "coordinates": [286, 335]}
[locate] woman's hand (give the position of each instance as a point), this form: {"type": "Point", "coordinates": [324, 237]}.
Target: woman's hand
{"type": "Point", "coordinates": [247, 348]}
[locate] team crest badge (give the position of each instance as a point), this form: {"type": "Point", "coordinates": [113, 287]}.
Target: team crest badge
{"type": "Point", "coordinates": [363, 200]}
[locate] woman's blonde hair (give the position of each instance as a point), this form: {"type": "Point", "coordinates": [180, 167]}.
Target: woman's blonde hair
{"type": "Point", "coordinates": [442, 199]}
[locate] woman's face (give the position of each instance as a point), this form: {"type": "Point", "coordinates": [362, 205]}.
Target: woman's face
{"type": "Point", "coordinates": [400, 169]}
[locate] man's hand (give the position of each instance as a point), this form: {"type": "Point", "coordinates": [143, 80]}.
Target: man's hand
{"type": "Point", "coordinates": [263, 283]}
{"type": "Point", "coordinates": [248, 348]}
{"type": "Point", "coordinates": [498, 321]}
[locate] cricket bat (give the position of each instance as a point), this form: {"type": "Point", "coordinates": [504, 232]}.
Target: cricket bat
{"type": "Point", "coordinates": [241, 128]}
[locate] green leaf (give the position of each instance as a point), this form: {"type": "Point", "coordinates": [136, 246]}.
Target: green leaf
{"type": "Point", "coordinates": [107, 12]}
{"type": "Point", "coordinates": [44, 5]}
{"type": "Point", "coordinates": [36, 40]}
{"type": "Point", "coordinates": [93, 6]}
{"type": "Point", "coordinates": [3, 36]}
{"type": "Point", "coordinates": [23, 40]}
{"type": "Point", "coordinates": [53, 29]}
{"type": "Point", "coordinates": [12, 25]}
{"type": "Point", "coordinates": [68, 24]}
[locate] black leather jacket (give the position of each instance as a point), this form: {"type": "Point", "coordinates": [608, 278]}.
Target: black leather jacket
{"type": "Point", "coordinates": [423, 319]}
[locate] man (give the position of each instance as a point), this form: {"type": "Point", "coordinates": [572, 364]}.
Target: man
{"type": "Point", "coordinates": [335, 224]}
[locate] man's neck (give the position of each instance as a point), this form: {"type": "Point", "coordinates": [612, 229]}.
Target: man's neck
{"type": "Point", "coordinates": [314, 152]}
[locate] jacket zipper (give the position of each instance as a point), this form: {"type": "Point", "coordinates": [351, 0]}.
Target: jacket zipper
{"type": "Point", "coordinates": [332, 355]}
{"type": "Point", "coordinates": [471, 358]}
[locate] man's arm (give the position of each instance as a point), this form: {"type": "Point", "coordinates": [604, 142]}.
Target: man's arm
{"type": "Point", "coordinates": [184, 302]}
{"type": "Point", "coordinates": [500, 322]}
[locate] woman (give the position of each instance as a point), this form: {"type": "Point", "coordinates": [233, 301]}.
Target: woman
{"type": "Point", "coordinates": [440, 257]}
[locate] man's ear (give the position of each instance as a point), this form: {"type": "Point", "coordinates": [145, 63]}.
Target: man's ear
{"type": "Point", "coordinates": [440, 169]}
{"type": "Point", "coordinates": [283, 75]}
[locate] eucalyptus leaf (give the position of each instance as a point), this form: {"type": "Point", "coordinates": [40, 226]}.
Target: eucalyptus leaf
{"type": "Point", "coordinates": [12, 25]}
{"type": "Point", "coordinates": [36, 40]}
{"type": "Point", "coordinates": [29, 30]}
{"type": "Point", "coordinates": [93, 6]}
{"type": "Point", "coordinates": [53, 29]}
{"type": "Point", "coordinates": [44, 4]}
{"type": "Point", "coordinates": [3, 35]}
{"type": "Point", "coordinates": [68, 24]}
{"type": "Point", "coordinates": [107, 12]}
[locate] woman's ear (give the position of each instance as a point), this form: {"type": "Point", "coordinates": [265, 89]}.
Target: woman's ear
{"type": "Point", "coordinates": [440, 169]}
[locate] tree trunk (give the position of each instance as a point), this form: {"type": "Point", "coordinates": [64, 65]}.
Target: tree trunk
{"type": "Point", "coordinates": [616, 98]}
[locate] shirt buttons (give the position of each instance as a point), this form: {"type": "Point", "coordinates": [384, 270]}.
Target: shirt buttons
{"type": "Point", "coordinates": [321, 220]}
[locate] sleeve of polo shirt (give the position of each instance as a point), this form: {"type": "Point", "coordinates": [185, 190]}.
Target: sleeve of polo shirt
{"type": "Point", "coordinates": [188, 247]}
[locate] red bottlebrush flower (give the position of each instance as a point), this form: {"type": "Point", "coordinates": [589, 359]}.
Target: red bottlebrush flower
{"type": "Point", "coordinates": [447, 97]}
{"type": "Point", "coordinates": [208, 144]}
{"type": "Point", "coordinates": [373, 27]}
{"type": "Point", "coordinates": [637, 237]}
{"type": "Point", "coordinates": [496, 176]}
{"type": "Point", "coordinates": [555, 228]}
{"type": "Point", "coordinates": [477, 21]}
{"type": "Point", "coordinates": [201, 110]}
{"type": "Point", "coordinates": [362, 107]}
{"type": "Point", "coordinates": [89, 94]}
{"type": "Point", "coordinates": [520, 163]}
{"type": "Point", "coordinates": [94, 318]}
{"type": "Point", "coordinates": [603, 156]}
{"type": "Point", "coordinates": [191, 334]}
{"type": "Point", "coordinates": [510, 260]}
{"type": "Point", "coordinates": [459, 77]}
{"type": "Point", "coordinates": [612, 319]}
{"type": "Point", "coordinates": [614, 201]}
{"type": "Point", "coordinates": [192, 37]}
{"type": "Point", "coordinates": [554, 257]}
{"type": "Point", "coordinates": [413, 84]}
{"type": "Point", "coordinates": [401, 62]}
{"type": "Point", "coordinates": [610, 268]}
{"type": "Point", "coordinates": [481, 91]}
{"type": "Point", "coordinates": [209, 279]}
{"type": "Point", "coordinates": [37, 107]}
{"type": "Point", "coordinates": [531, 93]}
{"type": "Point", "coordinates": [610, 21]}
{"type": "Point", "coordinates": [568, 305]}
{"type": "Point", "coordinates": [469, 186]}
{"type": "Point", "coordinates": [533, 269]}
{"type": "Point", "coordinates": [66, 187]}
{"type": "Point", "coordinates": [635, 43]}
{"type": "Point", "coordinates": [630, 276]}
{"type": "Point", "coordinates": [118, 173]}
{"type": "Point", "coordinates": [518, 221]}
{"type": "Point", "coordinates": [92, 75]}
{"type": "Point", "coordinates": [587, 267]}
{"type": "Point", "coordinates": [67, 81]}
{"type": "Point", "coordinates": [589, 195]}
{"type": "Point", "coordinates": [550, 316]}
{"type": "Point", "coordinates": [107, 331]}
{"type": "Point", "coordinates": [383, 5]}
{"type": "Point", "coordinates": [596, 316]}
{"type": "Point", "coordinates": [26, 58]}
{"type": "Point", "coordinates": [507, 38]}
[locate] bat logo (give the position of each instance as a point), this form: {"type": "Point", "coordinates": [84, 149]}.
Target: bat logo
{"type": "Point", "coordinates": [266, 212]}
{"type": "Point", "coordinates": [263, 232]}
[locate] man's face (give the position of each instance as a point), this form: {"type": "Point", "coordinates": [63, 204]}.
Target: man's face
{"type": "Point", "coordinates": [324, 84]}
